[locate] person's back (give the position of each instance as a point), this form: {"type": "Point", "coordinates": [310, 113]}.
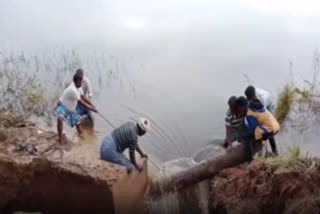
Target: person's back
{"type": "Point", "coordinates": [265, 98]}
{"type": "Point", "coordinates": [233, 121]}
{"type": "Point", "coordinates": [126, 136]}
{"type": "Point", "coordinates": [86, 87]}
{"type": "Point", "coordinates": [262, 121]}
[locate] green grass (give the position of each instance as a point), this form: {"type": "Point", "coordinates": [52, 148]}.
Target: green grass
{"type": "Point", "coordinates": [305, 95]}
{"type": "Point", "coordinates": [284, 103]}
{"type": "Point", "coordinates": [294, 152]}
{"type": "Point", "coordinates": [293, 161]}
{"type": "Point", "coordinates": [9, 119]}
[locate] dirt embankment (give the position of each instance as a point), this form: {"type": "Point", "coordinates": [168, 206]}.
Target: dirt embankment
{"type": "Point", "coordinates": [264, 187]}
{"type": "Point", "coordinates": [37, 174]}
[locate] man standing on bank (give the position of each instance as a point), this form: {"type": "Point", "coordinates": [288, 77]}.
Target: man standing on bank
{"type": "Point", "coordinates": [126, 136]}
{"type": "Point", "coordinates": [67, 106]}
{"type": "Point", "coordinates": [87, 93]}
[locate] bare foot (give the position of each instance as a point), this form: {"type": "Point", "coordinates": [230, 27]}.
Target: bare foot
{"type": "Point", "coordinates": [63, 139]}
{"type": "Point", "coordinates": [81, 136]}
{"type": "Point", "coordinates": [60, 140]}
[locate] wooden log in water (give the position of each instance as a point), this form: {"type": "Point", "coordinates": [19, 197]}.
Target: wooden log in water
{"type": "Point", "coordinates": [202, 171]}
{"type": "Point", "coordinates": [209, 168]}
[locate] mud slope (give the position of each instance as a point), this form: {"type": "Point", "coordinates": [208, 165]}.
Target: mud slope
{"type": "Point", "coordinates": [37, 174]}
{"type": "Point", "coordinates": [264, 187]}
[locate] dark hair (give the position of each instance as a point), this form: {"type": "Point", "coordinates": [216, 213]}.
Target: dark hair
{"type": "Point", "coordinates": [232, 100]}
{"type": "Point", "coordinates": [241, 101]}
{"type": "Point", "coordinates": [250, 92]}
{"type": "Point", "coordinates": [77, 77]}
{"type": "Point", "coordinates": [79, 71]}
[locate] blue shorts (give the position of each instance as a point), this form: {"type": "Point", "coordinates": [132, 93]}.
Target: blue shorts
{"type": "Point", "coordinates": [71, 118]}
{"type": "Point", "coordinates": [109, 152]}
{"type": "Point", "coordinates": [82, 110]}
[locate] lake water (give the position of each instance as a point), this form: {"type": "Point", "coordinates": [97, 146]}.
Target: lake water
{"type": "Point", "coordinates": [174, 63]}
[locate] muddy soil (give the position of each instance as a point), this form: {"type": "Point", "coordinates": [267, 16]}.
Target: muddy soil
{"type": "Point", "coordinates": [289, 187]}
{"type": "Point", "coordinates": [38, 174]}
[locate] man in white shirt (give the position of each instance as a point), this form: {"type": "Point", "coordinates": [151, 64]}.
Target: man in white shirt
{"type": "Point", "coordinates": [262, 95]}
{"type": "Point", "coordinates": [87, 92]}
{"type": "Point", "coordinates": [86, 84]}
{"type": "Point", "coordinates": [67, 106]}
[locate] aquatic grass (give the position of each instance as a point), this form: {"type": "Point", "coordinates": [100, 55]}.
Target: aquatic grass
{"type": "Point", "coordinates": [285, 103]}
{"type": "Point", "coordinates": [35, 98]}
{"type": "Point", "coordinates": [31, 82]}
{"type": "Point", "coordinates": [292, 162]}
{"type": "Point", "coordinates": [294, 152]}
{"type": "Point", "coordinates": [305, 95]}
{"type": "Point", "coordinates": [9, 119]}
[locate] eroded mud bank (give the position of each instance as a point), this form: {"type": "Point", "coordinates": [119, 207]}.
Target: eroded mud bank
{"type": "Point", "coordinates": [37, 174]}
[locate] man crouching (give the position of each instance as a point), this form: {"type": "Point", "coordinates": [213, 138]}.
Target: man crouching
{"type": "Point", "coordinates": [126, 136]}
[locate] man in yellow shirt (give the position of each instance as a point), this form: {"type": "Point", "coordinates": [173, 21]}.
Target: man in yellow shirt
{"type": "Point", "coordinates": [259, 121]}
{"type": "Point", "coordinates": [264, 97]}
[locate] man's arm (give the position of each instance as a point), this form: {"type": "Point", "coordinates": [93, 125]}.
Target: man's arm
{"type": "Point", "coordinates": [85, 99]}
{"type": "Point", "coordinates": [90, 107]}
{"type": "Point", "coordinates": [132, 148]}
{"type": "Point", "coordinates": [228, 120]}
{"type": "Point", "coordinates": [142, 154]}
{"type": "Point", "coordinates": [229, 136]}
{"type": "Point", "coordinates": [133, 160]}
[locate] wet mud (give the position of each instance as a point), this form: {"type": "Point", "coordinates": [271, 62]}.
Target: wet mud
{"type": "Point", "coordinates": [37, 174]}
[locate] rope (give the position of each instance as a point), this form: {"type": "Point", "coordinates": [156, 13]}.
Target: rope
{"type": "Point", "coordinates": [153, 164]}
{"type": "Point", "coordinates": [51, 150]}
{"type": "Point", "coordinates": [105, 119]}
{"type": "Point", "coordinates": [32, 150]}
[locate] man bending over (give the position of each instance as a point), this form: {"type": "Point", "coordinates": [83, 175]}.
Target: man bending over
{"type": "Point", "coordinates": [126, 136]}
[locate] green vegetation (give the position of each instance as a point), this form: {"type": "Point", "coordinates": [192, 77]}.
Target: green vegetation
{"type": "Point", "coordinates": [303, 103]}
{"type": "Point", "coordinates": [24, 88]}
{"type": "Point", "coordinates": [300, 102]}
{"type": "Point", "coordinates": [294, 152]}
{"type": "Point", "coordinates": [20, 92]}
{"type": "Point", "coordinates": [293, 161]}
{"type": "Point", "coordinates": [285, 103]}
{"type": "Point", "coordinates": [305, 96]}
{"type": "Point", "coordinates": [9, 119]}
{"type": "Point", "coordinates": [34, 98]}
{"type": "Point", "coordinates": [32, 81]}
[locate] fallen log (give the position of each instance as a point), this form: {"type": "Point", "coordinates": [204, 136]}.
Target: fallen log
{"type": "Point", "coordinates": [200, 172]}
{"type": "Point", "coordinates": [211, 167]}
